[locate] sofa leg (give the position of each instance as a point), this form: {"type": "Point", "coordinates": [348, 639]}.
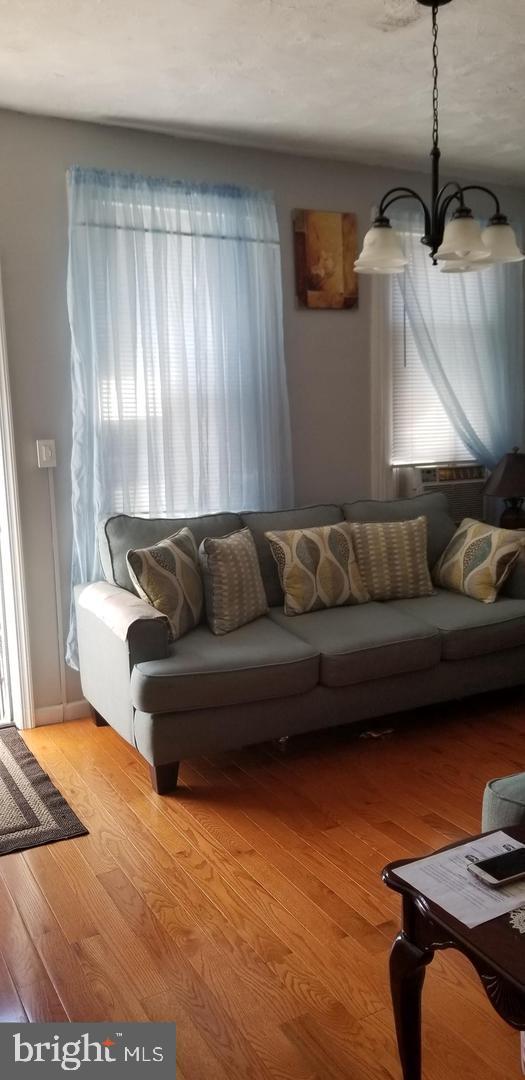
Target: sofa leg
{"type": "Point", "coordinates": [97, 719]}
{"type": "Point", "coordinates": [164, 777]}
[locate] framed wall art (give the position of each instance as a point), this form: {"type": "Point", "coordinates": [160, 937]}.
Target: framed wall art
{"type": "Point", "coordinates": [325, 252]}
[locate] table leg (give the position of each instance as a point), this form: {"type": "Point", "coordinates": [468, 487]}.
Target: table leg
{"type": "Point", "coordinates": [407, 974]}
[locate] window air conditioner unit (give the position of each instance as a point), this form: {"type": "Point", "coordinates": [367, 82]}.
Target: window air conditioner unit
{"type": "Point", "coordinates": [462, 484]}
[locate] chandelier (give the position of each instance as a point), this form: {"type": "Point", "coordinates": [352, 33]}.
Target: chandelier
{"type": "Point", "coordinates": [458, 245]}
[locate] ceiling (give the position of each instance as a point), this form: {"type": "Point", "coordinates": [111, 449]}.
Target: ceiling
{"type": "Point", "coordinates": [342, 78]}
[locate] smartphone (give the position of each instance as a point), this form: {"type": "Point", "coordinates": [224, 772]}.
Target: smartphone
{"type": "Point", "coordinates": [500, 869]}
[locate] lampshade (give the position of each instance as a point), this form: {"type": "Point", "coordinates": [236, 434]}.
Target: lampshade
{"type": "Point", "coordinates": [382, 252]}
{"type": "Point", "coordinates": [462, 241]}
{"type": "Point", "coordinates": [500, 239]}
{"type": "Point", "coordinates": [507, 480]}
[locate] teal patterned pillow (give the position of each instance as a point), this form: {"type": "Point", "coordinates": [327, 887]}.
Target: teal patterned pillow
{"type": "Point", "coordinates": [317, 568]}
{"type": "Point", "coordinates": [478, 560]}
{"type": "Point", "coordinates": [167, 575]}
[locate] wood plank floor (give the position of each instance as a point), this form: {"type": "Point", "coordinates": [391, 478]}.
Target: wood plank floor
{"type": "Point", "coordinates": [249, 908]}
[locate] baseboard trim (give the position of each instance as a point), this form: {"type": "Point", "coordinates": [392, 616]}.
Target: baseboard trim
{"type": "Point", "coordinates": [57, 714]}
{"type": "Point", "coordinates": [77, 710]}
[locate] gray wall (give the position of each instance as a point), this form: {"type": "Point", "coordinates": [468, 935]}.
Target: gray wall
{"type": "Point", "coordinates": [326, 352]}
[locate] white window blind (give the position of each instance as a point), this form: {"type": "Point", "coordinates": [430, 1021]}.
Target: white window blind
{"type": "Point", "coordinates": [153, 405]}
{"type": "Point", "coordinates": [421, 430]}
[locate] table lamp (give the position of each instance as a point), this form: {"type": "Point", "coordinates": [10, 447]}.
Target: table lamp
{"type": "Point", "coordinates": [507, 482]}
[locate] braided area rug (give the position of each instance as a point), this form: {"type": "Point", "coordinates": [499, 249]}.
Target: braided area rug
{"type": "Point", "coordinates": [32, 811]}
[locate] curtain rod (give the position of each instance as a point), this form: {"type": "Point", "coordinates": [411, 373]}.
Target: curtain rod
{"type": "Point", "coordinates": [173, 232]}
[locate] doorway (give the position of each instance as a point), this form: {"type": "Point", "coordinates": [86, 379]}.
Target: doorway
{"type": "Point", "coordinates": [16, 690]}
{"type": "Point", "coordinates": [6, 707]}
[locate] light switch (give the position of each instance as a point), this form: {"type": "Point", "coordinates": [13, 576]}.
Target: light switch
{"type": "Point", "coordinates": [46, 453]}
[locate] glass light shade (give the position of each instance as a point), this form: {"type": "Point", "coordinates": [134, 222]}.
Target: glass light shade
{"type": "Point", "coordinates": [466, 267]}
{"type": "Point", "coordinates": [502, 244]}
{"type": "Point", "coordinates": [382, 252]}
{"type": "Point", "coordinates": [456, 267]}
{"type": "Point", "coordinates": [387, 268]}
{"type": "Point", "coordinates": [462, 241]}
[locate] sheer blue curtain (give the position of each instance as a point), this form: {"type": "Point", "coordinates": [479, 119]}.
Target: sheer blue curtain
{"type": "Point", "coordinates": [179, 387]}
{"type": "Point", "coordinates": [469, 333]}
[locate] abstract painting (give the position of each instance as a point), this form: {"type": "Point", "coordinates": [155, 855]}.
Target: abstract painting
{"type": "Point", "coordinates": [325, 252]}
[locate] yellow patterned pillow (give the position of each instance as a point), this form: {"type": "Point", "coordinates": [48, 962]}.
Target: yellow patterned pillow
{"type": "Point", "coordinates": [317, 568]}
{"type": "Point", "coordinates": [478, 560]}
{"type": "Point", "coordinates": [392, 558]}
{"type": "Point", "coordinates": [167, 575]}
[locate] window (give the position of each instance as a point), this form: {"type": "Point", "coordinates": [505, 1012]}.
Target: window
{"type": "Point", "coordinates": [161, 410]}
{"type": "Point", "coordinates": [180, 404]}
{"type": "Point", "coordinates": [462, 312]}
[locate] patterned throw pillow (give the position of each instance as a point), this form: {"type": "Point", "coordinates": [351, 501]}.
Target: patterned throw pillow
{"type": "Point", "coordinates": [392, 558]}
{"type": "Point", "coordinates": [233, 584]}
{"type": "Point", "coordinates": [317, 568]}
{"type": "Point", "coordinates": [478, 560]}
{"type": "Point", "coordinates": [167, 575]}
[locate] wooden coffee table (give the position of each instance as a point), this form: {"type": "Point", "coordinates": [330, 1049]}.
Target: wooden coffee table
{"type": "Point", "coordinates": [496, 950]}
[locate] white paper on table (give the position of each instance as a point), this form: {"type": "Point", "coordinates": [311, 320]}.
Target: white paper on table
{"type": "Point", "coordinates": [445, 879]}
{"type": "Point", "coordinates": [522, 1037]}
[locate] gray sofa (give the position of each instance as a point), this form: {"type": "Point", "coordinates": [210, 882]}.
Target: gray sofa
{"type": "Point", "coordinates": [282, 675]}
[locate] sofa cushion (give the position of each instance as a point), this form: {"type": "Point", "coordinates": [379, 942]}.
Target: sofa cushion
{"type": "Point", "coordinates": [120, 532]}
{"type": "Point", "coordinates": [306, 517]}
{"type": "Point", "coordinates": [361, 643]}
{"type": "Point", "coordinates": [468, 628]}
{"type": "Point", "coordinates": [433, 506]}
{"type": "Point", "coordinates": [256, 662]}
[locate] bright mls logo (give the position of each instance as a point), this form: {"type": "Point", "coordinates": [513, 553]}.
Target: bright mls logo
{"type": "Point", "coordinates": [49, 1050]}
{"type": "Point", "coordinates": [70, 1055]}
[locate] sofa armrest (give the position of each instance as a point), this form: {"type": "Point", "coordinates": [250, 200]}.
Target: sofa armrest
{"type": "Point", "coordinates": [116, 630]}
{"type": "Point", "coordinates": [131, 619]}
{"type": "Point", "coordinates": [515, 584]}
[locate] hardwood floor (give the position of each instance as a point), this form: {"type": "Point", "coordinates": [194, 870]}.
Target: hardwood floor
{"type": "Point", "coordinates": [249, 907]}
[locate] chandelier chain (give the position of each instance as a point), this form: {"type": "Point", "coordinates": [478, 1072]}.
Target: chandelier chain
{"type": "Point", "coordinates": [435, 73]}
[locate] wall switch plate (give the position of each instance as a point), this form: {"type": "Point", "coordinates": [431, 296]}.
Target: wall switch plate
{"type": "Point", "coordinates": [46, 453]}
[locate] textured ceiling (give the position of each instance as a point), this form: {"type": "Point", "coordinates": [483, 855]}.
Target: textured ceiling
{"type": "Point", "coordinates": [341, 78]}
